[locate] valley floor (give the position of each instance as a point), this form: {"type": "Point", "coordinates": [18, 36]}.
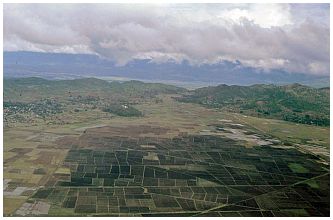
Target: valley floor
{"type": "Point", "coordinates": [180, 159]}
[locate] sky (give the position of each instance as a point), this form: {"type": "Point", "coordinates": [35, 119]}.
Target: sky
{"type": "Point", "coordinates": [291, 37]}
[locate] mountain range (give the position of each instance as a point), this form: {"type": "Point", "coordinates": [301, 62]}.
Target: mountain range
{"type": "Point", "coordinates": [69, 66]}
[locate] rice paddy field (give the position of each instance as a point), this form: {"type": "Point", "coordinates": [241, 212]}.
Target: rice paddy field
{"type": "Point", "coordinates": [180, 159]}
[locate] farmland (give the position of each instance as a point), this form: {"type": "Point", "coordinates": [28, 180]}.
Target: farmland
{"type": "Point", "coordinates": [175, 159]}
{"type": "Point", "coordinates": [204, 179]}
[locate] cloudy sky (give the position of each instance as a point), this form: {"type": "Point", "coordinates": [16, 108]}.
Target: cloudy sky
{"type": "Point", "coordinates": [292, 37]}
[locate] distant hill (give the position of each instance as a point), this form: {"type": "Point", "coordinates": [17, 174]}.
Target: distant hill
{"type": "Point", "coordinates": [34, 88]}
{"type": "Point", "coordinates": [295, 102]}
{"type": "Point", "coordinates": [69, 66]}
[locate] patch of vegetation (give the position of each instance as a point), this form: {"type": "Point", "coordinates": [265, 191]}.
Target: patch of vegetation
{"type": "Point", "coordinates": [41, 108]}
{"type": "Point", "coordinates": [296, 212]}
{"type": "Point", "coordinates": [123, 110]}
{"type": "Point", "coordinates": [39, 171]}
{"type": "Point", "coordinates": [297, 168]}
{"type": "Point", "coordinates": [295, 103]}
{"type": "Point", "coordinates": [313, 184]}
{"type": "Point", "coordinates": [42, 193]}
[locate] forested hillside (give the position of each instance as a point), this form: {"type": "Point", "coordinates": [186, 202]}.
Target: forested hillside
{"type": "Point", "coordinates": [295, 102]}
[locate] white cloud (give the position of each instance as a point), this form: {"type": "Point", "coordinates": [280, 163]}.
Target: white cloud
{"type": "Point", "coordinates": [260, 35]}
{"type": "Point", "coordinates": [264, 15]}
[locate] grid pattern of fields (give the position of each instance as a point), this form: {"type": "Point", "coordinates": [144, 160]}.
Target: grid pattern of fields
{"type": "Point", "coordinates": [187, 176]}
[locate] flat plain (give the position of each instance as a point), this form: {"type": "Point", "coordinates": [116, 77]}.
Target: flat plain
{"type": "Point", "coordinates": [178, 159]}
